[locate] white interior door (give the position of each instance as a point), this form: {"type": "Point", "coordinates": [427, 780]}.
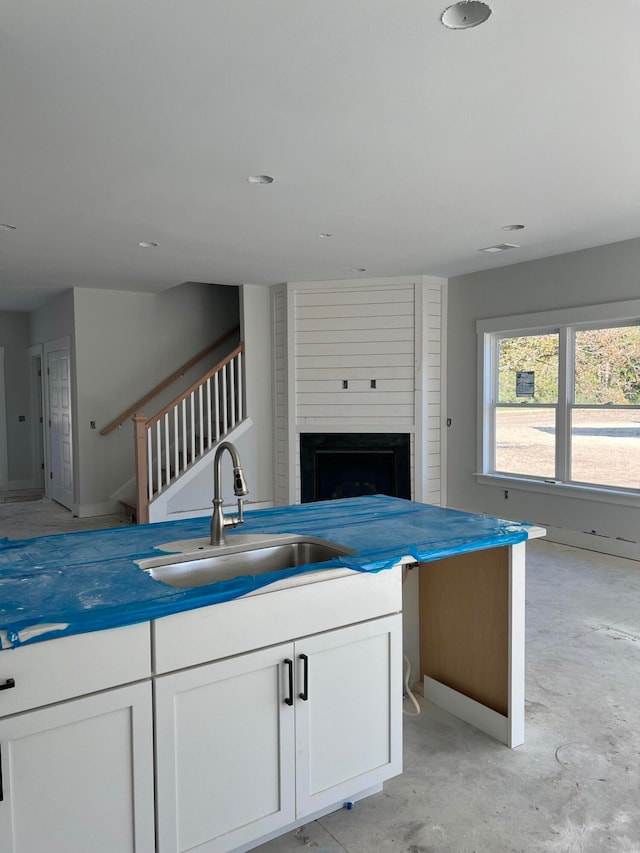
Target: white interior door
{"type": "Point", "coordinates": [60, 437]}
{"type": "Point", "coordinates": [37, 418]}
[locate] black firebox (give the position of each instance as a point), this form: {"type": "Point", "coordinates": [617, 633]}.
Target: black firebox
{"type": "Point", "coordinates": [347, 465]}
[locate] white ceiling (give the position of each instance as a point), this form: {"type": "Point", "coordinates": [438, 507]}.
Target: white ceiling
{"type": "Point", "coordinates": [130, 120]}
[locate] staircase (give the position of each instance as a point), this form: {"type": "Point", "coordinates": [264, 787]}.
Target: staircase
{"type": "Point", "coordinates": [171, 443]}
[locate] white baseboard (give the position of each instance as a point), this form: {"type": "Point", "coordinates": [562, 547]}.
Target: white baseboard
{"type": "Point", "coordinates": [487, 720]}
{"type": "Point", "coordinates": [206, 511]}
{"type": "Point", "coordinates": [583, 539]}
{"type": "Point", "coordinates": [90, 510]}
{"type": "Point", "coordinates": [19, 485]}
{"type": "Point", "coordinates": [595, 542]}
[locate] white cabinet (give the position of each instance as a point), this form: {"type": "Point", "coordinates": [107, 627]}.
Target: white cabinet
{"type": "Point", "coordinates": [225, 752]}
{"type": "Point", "coordinates": [77, 775]}
{"type": "Point", "coordinates": [349, 727]}
{"type": "Point", "coordinates": [253, 743]}
{"type": "Point", "coordinates": [268, 710]}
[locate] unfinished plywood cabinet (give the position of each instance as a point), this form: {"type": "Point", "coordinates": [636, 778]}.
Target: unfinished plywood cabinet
{"type": "Point", "coordinates": [472, 618]}
{"type": "Point", "coordinates": [465, 629]}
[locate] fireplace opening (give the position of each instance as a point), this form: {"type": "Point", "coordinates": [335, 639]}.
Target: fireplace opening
{"type": "Point", "coordinates": [347, 465]}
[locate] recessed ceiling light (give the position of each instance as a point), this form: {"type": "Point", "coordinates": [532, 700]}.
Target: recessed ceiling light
{"type": "Point", "coordinates": [464, 15]}
{"type": "Point", "coordinates": [260, 179]}
{"type": "Point", "coordinates": [357, 269]}
{"type": "Point", "coordinates": [512, 227]}
{"type": "Point", "coordinates": [146, 245]}
{"type": "Point", "coordinates": [6, 227]}
{"type": "Point", "coordinates": [499, 247]}
{"type": "Point", "coordinates": [325, 235]}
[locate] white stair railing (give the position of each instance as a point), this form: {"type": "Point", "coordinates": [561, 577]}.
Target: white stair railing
{"type": "Point", "coordinates": [171, 442]}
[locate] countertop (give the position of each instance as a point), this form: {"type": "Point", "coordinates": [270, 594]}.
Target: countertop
{"type": "Point", "coordinates": [52, 586]}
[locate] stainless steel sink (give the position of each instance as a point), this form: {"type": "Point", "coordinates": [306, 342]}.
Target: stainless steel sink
{"type": "Point", "coordinates": [235, 560]}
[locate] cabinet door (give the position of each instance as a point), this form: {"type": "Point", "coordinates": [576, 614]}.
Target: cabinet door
{"type": "Point", "coordinates": [78, 776]}
{"type": "Point", "coordinates": [225, 752]}
{"type": "Point", "coordinates": [349, 723]}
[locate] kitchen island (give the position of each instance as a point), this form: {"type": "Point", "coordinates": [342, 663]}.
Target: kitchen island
{"type": "Point", "coordinates": [284, 686]}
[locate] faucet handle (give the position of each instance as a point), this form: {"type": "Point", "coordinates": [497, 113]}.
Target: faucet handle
{"type": "Point", "coordinates": [240, 510]}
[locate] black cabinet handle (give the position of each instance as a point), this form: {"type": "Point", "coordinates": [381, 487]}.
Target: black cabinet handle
{"type": "Point", "coordinates": [289, 699]}
{"type": "Point", "coordinates": [8, 684]}
{"type": "Point", "coordinates": [1, 786]}
{"type": "Point", "coordinates": [305, 688]}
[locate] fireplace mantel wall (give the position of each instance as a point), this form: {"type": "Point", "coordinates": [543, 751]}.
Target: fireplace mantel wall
{"type": "Point", "coordinates": [326, 334]}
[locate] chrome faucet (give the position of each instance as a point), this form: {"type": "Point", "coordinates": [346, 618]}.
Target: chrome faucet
{"type": "Point", "coordinates": [218, 520]}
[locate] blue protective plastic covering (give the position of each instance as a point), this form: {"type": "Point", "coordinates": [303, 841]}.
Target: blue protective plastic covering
{"type": "Point", "coordinates": [72, 583]}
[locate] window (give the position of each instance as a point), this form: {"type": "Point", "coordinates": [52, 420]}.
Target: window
{"type": "Point", "coordinates": [561, 402]}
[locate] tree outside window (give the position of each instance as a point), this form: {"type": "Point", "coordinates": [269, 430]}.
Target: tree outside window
{"type": "Point", "coordinates": [605, 412]}
{"type": "Point", "coordinates": [526, 408]}
{"type": "Point", "coordinates": [565, 406]}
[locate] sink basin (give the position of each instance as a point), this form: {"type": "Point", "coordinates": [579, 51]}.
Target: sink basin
{"type": "Point", "coordinates": [255, 557]}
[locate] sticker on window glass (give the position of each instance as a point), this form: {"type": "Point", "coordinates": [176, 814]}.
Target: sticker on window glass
{"type": "Point", "coordinates": [525, 383]}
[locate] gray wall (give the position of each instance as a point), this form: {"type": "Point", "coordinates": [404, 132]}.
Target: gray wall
{"type": "Point", "coordinates": [126, 343]}
{"type": "Point", "coordinates": [14, 337]}
{"type": "Point", "coordinates": [255, 445]}
{"type": "Point", "coordinates": [605, 274]}
{"type": "Point", "coordinates": [53, 320]}
{"type": "Point", "coordinates": [122, 345]}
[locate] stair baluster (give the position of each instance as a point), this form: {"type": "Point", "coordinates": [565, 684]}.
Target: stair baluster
{"type": "Point", "coordinates": [183, 432]}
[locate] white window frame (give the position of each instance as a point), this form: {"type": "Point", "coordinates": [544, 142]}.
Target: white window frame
{"type": "Point", "coordinates": [565, 322]}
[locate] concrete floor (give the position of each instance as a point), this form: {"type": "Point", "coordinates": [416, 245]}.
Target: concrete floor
{"type": "Point", "coordinates": [26, 513]}
{"type": "Point", "coordinates": [574, 787]}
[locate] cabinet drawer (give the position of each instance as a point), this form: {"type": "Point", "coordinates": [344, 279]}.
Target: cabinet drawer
{"type": "Point", "coordinates": [259, 620]}
{"type": "Point", "coordinates": [54, 670]}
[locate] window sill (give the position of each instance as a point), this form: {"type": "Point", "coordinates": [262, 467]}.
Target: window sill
{"type": "Point", "coordinates": [589, 493]}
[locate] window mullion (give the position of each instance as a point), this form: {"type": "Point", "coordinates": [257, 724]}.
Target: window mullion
{"type": "Point", "coordinates": [565, 399]}
{"type": "Point", "coordinates": [490, 405]}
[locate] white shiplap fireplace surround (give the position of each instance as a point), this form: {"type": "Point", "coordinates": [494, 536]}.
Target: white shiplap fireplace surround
{"type": "Point", "coordinates": [360, 357]}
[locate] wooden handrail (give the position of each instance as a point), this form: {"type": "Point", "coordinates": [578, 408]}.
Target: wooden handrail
{"type": "Point", "coordinates": [191, 388]}
{"type": "Point", "coordinates": [168, 381]}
